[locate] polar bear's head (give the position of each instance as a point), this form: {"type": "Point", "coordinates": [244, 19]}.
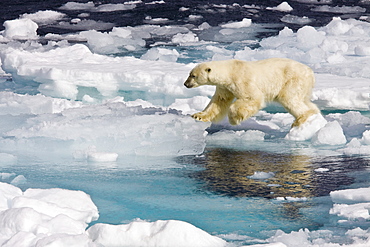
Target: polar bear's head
{"type": "Point", "coordinates": [198, 76]}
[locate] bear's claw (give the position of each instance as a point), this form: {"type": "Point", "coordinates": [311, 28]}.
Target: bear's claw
{"type": "Point", "coordinates": [199, 116]}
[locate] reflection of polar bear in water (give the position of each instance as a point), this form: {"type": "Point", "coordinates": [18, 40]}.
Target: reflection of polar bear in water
{"type": "Point", "coordinates": [253, 84]}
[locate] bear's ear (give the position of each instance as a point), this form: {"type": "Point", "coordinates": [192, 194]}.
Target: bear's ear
{"type": "Point", "coordinates": [208, 70]}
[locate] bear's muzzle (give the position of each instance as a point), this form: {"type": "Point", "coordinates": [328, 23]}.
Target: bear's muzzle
{"type": "Point", "coordinates": [188, 83]}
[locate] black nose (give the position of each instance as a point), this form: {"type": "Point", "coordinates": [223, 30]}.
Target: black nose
{"type": "Point", "coordinates": [187, 85]}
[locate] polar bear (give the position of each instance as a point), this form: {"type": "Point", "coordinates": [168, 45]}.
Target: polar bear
{"type": "Point", "coordinates": [243, 88]}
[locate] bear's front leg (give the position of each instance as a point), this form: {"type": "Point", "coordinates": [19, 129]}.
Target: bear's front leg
{"type": "Point", "coordinates": [243, 109]}
{"type": "Point", "coordinates": [217, 108]}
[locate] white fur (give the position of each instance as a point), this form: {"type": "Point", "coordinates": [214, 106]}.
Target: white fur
{"type": "Point", "coordinates": [243, 88]}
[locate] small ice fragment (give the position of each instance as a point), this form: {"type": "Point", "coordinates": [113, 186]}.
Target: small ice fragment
{"type": "Point", "coordinates": [262, 175]}
{"type": "Point", "coordinates": [283, 7]}
{"type": "Point", "coordinates": [321, 169]}
{"type": "Point", "coordinates": [244, 23]}
{"type": "Point", "coordinates": [102, 157]}
{"type": "Point", "coordinates": [330, 134]}
{"type": "Point", "coordinates": [20, 179]}
{"type": "Point", "coordinates": [307, 129]}
{"type": "Point", "coordinates": [274, 185]}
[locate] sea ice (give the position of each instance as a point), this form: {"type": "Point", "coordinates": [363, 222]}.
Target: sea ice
{"type": "Point", "coordinates": [283, 7]}
{"type": "Point", "coordinates": [339, 9]}
{"type": "Point", "coordinates": [350, 196]}
{"type": "Point", "coordinates": [43, 17]}
{"type": "Point", "coordinates": [158, 233]}
{"type": "Point", "coordinates": [330, 134]}
{"type": "Point", "coordinates": [161, 54]}
{"type": "Point", "coordinates": [20, 29]}
{"type": "Point", "coordinates": [243, 23]}
{"type": "Point", "coordinates": [308, 129]}
{"type": "Point", "coordinates": [112, 127]}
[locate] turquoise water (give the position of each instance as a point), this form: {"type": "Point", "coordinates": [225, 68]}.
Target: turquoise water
{"type": "Point", "coordinates": [211, 191]}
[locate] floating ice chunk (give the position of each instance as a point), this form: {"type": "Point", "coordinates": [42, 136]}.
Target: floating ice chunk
{"type": "Point", "coordinates": [350, 196]}
{"type": "Point", "coordinates": [112, 42]}
{"type": "Point", "coordinates": [299, 238]}
{"type": "Point", "coordinates": [85, 25]}
{"type": "Point", "coordinates": [350, 119]}
{"type": "Point", "coordinates": [244, 23]}
{"type": "Point", "coordinates": [339, 9]}
{"type": "Point", "coordinates": [261, 175]}
{"type": "Point", "coordinates": [296, 19]}
{"type": "Point", "coordinates": [307, 130]}
{"type": "Point", "coordinates": [78, 6]}
{"type": "Point", "coordinates": [127, 130]}
{"type": "Point", "coordinates": [102, 157]}
{"type": "Point", "coordinates": [230, 136]}
{"type": "Point", "coordinates": [161, 54]}
{"type": "Point", "coordinates": [44, 16]}
{"type": "Point", "coordinates": [355, 147]}
{"type": "Point", "coordinates": [283, 7]}
{"type": "Point", "coordinates": [158, 233]}
{"type": "Point", "coordinates": [351, 212]}
{"type": "Point", "coordinates": [20, 29]}
{"type": "Point", "coordinates": [330, 134]}
{"type": "Point", "coordinates": [292, 199]}
{"type": "Point", "coordinates": [204, 26]}
{"type": "Point", "coordinates": [194, 17]}
{"type": "Point", "coordinates": [321, 169]}
{"type": "Point", "coordinates": [183, 38]}
{"type": "Point", "coordinates": [20, 179]}
{"type": "Point", "coordinates": [114, 7]}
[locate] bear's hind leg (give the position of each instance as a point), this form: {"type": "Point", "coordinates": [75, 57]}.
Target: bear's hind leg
{"type": "Point", "coordinates": [300, 110]}
{"type": "Point", "coordinates": [302, 117]}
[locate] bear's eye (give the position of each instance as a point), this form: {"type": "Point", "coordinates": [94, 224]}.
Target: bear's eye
{"type": "Point", "coordinates": [208, 70]}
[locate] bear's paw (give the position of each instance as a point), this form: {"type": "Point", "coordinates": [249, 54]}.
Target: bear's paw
{"type": "Point", "coordinates": [201, 116]}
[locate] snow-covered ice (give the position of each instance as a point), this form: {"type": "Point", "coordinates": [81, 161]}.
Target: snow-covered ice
{"type": "Point", "coordinates": [59, 217]}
